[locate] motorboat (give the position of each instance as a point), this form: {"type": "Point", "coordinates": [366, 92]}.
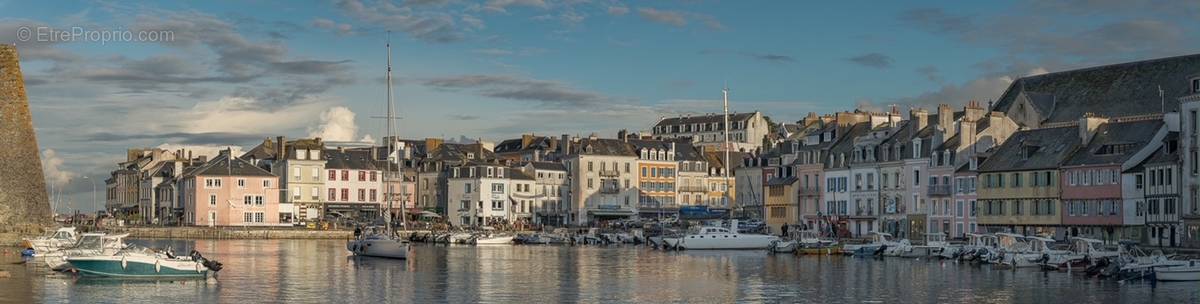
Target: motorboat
{"type": "Point", "coordinates": [494, 240]}
{"type": "Point", "coordinates": [89, 244]}
{"type": "Point", "coordinates": [979, 248]}
{"type": "Point", "coordinates": [378, 243]}
{"type": "Point", "coordinates": [812, 239]}
{"type": "Point", "coordinates": [1029, 251]}
{"type": "Point", "coordinates": [712, 237]}
{"type": "Point", "coordinates": [935, 245]}
{"type": "Point", "coordinates": [1083, 252]}
{"type": "Point", "coordinates": [782, 246]}
{"type": "Point", "coordinates": [1134, 263]}
{"type": "Point", "coordinates": [62, 237]}
{"type": "Point", "coordinates": [1189, 272]}
{"type": "Point", "coordinates": [879, 241]}
{"type": "Point", "coordinates": [138, 262]}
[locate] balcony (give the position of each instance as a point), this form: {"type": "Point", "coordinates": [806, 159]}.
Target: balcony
{"type": "Point", "coordinates": [810, 191]}
{"type": "Point", "coordinates": [692, 189]}
{"type": "Point", "coordinates": [610, 173]}
{"type": "Point", "coordinates": [610, 190]}
{"type": "Point", "coordinates": [940, 190]}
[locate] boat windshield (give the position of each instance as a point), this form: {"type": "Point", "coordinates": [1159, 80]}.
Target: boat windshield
{"type": "Point", "coordinates": [90, 242]}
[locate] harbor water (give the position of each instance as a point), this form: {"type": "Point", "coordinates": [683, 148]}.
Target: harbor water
{"type": "Point", "coordinates": [322, 271]}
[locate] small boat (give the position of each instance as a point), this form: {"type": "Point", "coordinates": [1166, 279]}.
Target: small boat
{"type": "Point", "coordinates": [784, 246]}
{"type": "Point", "coordinates": [63, 237]}
{"type": "Point", "coordinates": [826, 250]}
{"type": "Point", "coordinates": [879, 241]}
{"type": "Point", "coordinates": [137, 262]}
{"type": "Point", "coordinates": [89, 244]}
{"type": "Point", "coordinates": [494, 240]}
{"type": "Point", "coordinates": [1189, 272]}
{"type": "Point", "coordinates": [707, 238]}
{"type": "Point", "coordinates": [380, 244]}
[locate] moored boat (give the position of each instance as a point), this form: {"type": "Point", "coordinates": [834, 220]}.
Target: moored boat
{"type": "Point", "coordinates": [63, 237]}
{"type": "Point", "coordinates": [707, 238]}
{"type": "Point", "coordinates": [136, 262]}
{"type": "Point", "coordinates": [1189, 272]}
{"type": "Point", "coordinates": [89, 244]}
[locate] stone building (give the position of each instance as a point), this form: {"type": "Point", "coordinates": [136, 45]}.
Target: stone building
{"type": "Point", "coordinates": [23, 197]}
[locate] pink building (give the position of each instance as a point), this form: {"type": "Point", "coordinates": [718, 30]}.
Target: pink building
{"type": "Point", "coordinates": [229, 192]}
{"type": "Point", "coordinates": [965, 181]}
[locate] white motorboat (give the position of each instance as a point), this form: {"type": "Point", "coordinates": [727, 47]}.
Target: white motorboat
{"type": "Point", "coordinates": [720, 238]}
{"type": "Point", "coordinates": [878, 240]}
{"type": "Point", "coordinates": [935, 245]}
{"type": "Point", "coordinates": [494, 240]}
{"type": "Point", "coordinates": [136, 262]}
{"type": "Point", "coordinates": [785, 246]}
{"type": "Point", "coordinates": [89, 244]}
{"type": "Point", "coordinates": [63, 237]}
{"type": "Point", "coordinates": [812, 239]}
{"type": "Point", "coordinates": [1189, 272]}
{"type": "Point", "coordinates": [378, 243]}
{"type": "Point", "coordinates": [1028, 251]}
{"type": "Point", "coordinates": [979, 247]}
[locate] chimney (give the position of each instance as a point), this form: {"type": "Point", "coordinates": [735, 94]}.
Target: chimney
{"type": "Point", "coordinates": [973, 111]}
{"type": "Point", "coordinates": [623, 135]}
{"type": "Point", "coordinates": [565, 145]}
{"type": "Point", "coordinates": [946, 120]}
{"type": "Point", "coordinates": [919, 118]}
{"type": "Point", "coordinates": [1088, 125]}
{"type": "Point", "coordinates": [526, 139]}
{"type": "Point", "coordinates": [280, 148]}
{"type": "Point", "coordinates": [966, 133]}
{"type": "Point", "coordinates": [811, 118]}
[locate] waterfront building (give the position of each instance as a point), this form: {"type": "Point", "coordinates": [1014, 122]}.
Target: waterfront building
{"type": "Point", "coordinates": [551, 192]}
{"type": "Point", "coordinates": [229, 191]}
{"type": "Point", "coordinates": [602, 180]}
{"type": "Point", "coordinates": [847, 221]}
{"type": "Point", "coordinates": [354, 183]}
{"type": "Point", "coordinates": [1023, 175]}
{"type": "Point", "coordinates": [434, 169]}
{"type": "Point", "coordinates": [522, 199]}
{"type": "Point", "coordinates": [1159, 181]}
{"type": "Point", "coordinates": [130, 187]}
{"type": "Point", "coordinates": [864, 178]}
{"type": "Point", "coordinates": [1189, 141]}
{"type": "Point", "coordinates": [747, 130]}
{"type": "Point", "coordinates": [781, 202]}
{"type": "Point", "coordinates": [528, 148]}
{"type": "Point", "coordinates": [966, 181]}
{"type": "Point", "coordinates": [722, 188]}
{"type": "Point", "coordinates": [691, 182]}
{"type": "Point", "coordinates": [1094, 204]}
{"type": "Point", "coordinates": [657, 176]}
{"type": "Point", "coordinates": [809, 167]}
{"type": "Point", "coordinates": [301, 170]}
{"type": "Point", "coordinates": [750, 178]}
{"type": "Point", "coordinates": [481, 193]}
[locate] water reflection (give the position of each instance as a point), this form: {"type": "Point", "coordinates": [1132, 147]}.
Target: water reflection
{"type": "Point", "coordinates": [322, 271]}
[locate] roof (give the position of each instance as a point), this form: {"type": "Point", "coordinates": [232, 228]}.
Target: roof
{"type": "Point", "coordinates": [780, 181]}
{"type": "Point", "coordinates": [1115, 142]}
{"type": "Point", "coordinates": [548, 166]}
{"type": "Point", "coordinates": [604, 146]}
{"type": "Point", "coordinates": [459, 152]}
{"type": "Point", "coordinates": [1112, 90]}
{"type": "Point", "coordinates": [845, 142]}
{"type": "Point", "coordinates": [223, 165]}
{"type": "Point", "coordinates": [514, 173]}
{"type": "Point", "coordinates": [685, 151]}
{"type": "Point", "coordinates": [1033, 149]}
{"type": "Point", "coordinates": [716, 159]}
{"type": "Point", "coordinates": [717, 118]}
{"type": "Point", "coordinates": [356, 159]}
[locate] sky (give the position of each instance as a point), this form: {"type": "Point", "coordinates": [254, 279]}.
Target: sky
{"type": "Point", "coordinates": [212, 74]}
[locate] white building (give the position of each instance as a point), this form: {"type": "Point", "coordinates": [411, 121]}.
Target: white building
{"type": "Point", "coordinates": [479, 193]}
{"type": "Point", "coordinates": [746, 130]}
{"type": "Point", "coordinates": [551, 192]}
{"type": "Point", "coordinates": [602, 180]}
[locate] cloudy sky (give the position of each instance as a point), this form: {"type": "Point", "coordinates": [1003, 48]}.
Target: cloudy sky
{"type": "Point", "coordinates": [237, 72]}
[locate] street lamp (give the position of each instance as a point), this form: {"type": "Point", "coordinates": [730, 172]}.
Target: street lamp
{"type": "Point", "coordinates": [94, 204]}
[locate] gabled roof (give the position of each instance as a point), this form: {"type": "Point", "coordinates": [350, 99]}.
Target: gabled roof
{"type": "Point", "coordinates": [223, 165]}
{"type": "Point", "coordinates": [1033, 149]}
{"type": "Point", "coordinates": [717, 118]}
{"type": "Point", "coordinates": [1115, 142]}
{"type": "Point", "coordinates": [1112, 90]}
{"type": "Point", "coordinates": [604, 146]}
{"type": "Point", "coordinates": [845, 142]}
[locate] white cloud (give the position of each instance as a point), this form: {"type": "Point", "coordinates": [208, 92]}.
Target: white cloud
{"type": "Point", "coordinates": [52, 167]}
{"type": "Point", "coordinates": [337, 124]}
{"type": "Point", "coordinates": [239, 114]}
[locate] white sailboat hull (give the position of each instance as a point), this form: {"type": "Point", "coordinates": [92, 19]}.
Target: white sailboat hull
{"type": "Point", "coordinates": [726, 241]}
{"type": "Point", "coordinates": [1179, 273]}
{"type": "Point", "coordinates": [501, 240]}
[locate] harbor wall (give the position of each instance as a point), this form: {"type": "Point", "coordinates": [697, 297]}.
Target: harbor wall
{"type": "Point", "coordinates": [230, 233]}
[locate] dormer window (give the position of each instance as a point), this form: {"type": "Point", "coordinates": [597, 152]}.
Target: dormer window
{"type": "Point", "coordinates": [1196, 86]}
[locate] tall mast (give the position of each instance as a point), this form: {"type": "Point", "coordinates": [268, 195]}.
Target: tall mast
{"type": "Point", "coordinates": [725, 93]}
{"type": "Point", "coordinates": [391, 140]}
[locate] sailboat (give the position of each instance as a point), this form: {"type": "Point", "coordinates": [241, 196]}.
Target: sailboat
{"type": "Point", "coordinates": [383, 242]}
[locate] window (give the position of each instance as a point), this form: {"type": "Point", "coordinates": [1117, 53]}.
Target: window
{"type": "Point", "coordinates": [248, 217]}
{"type": "Point", "coordinates": [373, 197]}
{"type": "Point", "coordinates": [589, 166]}
{"type": "Point", "coordinates": [916, 177]}
{"type": "Point", "coordinates": [1195, 89]}
{"type": "Point", "coordinates": [266, 183]}
{"type": "Point", "coordinates": [212, 183]}
{"type": "Point", "coordinates": [332, 175]}
{"type": "Point", "coordinates": [362, 195]}
{"type": "Point", "coordinates": [362, 176]}
{"type": "Point", "coordinates": [497, 205]}
{"type": "Point", "coordinates": [212, 199]}
{"type": "Point", "coordinates": [332, 194]}
{"type": "Point", "coordinates": [467, 188]}
{"type": "Point", "coordinates": [345, 194]}
{"type": "Point", "coordinates": [1170, 176]}
{"type": "Point", "coordinates": [590, 183]}
{"type": "Point", "coordinates": [316, 193]}
{"type": "Point", "coordinates": [626, 168]}
{"type": "Point", "coordinates": [316, 173]}
{"type": "Point", "coordinates": [295, 192]}
{"type": "Point", "coordinates": [374, 176]}
{"type": "Point", "coordinates": [497, 187]}
{"type": "Point", "coordinates": [241, 183]}
{"type": "Point", "coordinates": [258, 200]}
{"type": "Point", "coordinates": [345, 175]}
{"type": "Point", "coordinates": [258, 217]}
{"type": "Point", "coordinates": [296, 172]}
{"type": "Point", "coordinates": [959, 209]}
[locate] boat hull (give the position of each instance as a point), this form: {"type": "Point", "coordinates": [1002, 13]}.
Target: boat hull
{"type": "Point", "coordinates": [504, 240]}
{"type": "Point", "coordinates": [382, 248]}
{"type": "Point", "coordinates": [726, 242]}
{"type": "Point", "coordinates": [138, 267]}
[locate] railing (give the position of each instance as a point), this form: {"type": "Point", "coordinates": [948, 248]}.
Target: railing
{"type": "Point", "coordinates": [864, 212]}
{"type": "Point", "coordinates": [610, 190]}
{"type": "Point", "coordinates": [810, 191]}
{"type": "Point", "coordinates": [693, 189]}
{"type": "Point", "coordinates": [940, 190]}
{"type": "Point", "coordinates": [610, 173]}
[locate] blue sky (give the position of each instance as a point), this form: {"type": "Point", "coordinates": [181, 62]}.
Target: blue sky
{"type": "Point", "coordinates": [237, 72]}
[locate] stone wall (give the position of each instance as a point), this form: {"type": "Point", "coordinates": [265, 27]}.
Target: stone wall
{"type": "Point", "coordinates": [24, 206]}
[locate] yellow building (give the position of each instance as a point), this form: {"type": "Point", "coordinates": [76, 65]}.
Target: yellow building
{"type": "Point", "coordinates": [1019, 184]}
{"type": "Point", "coordinates": [781, 205]}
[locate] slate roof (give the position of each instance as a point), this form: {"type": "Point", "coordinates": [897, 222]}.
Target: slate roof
{"type": "Point", "coordinates": [458, 152]}
{"type": "Point", "coordinates": [548, 166]}
{"type": "Point", "coordinates": [716, 159]}
{"type": "Point", "coordinates": [1112, 90]}
{"type": "Point", "coordinates": [685, 151]}
{"type": "Point", "coordinates": [781, 181]}
{"type": "Point", "coordinates": [1130, 136]}
{"type": "Point", "coordinates": [704, 119]}
{"type": "Point", "coordinates": [514, 173]}
{"type": "Point", "coordinates": [604, 146]}
{"type": "Point", "coordinates": [1053, 146]}
{"type": "Point", "coordinates": [845, 142]}
{"type": "Point", "coordinates": [223, 165]}
{"type": "Point", "coordinates": [357, 159]}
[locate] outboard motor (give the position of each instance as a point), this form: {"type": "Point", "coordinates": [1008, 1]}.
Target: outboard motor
{"type": "Point", "coordinates": [213, 265]}
{"type": "Point", "coordinates": [881, 250]}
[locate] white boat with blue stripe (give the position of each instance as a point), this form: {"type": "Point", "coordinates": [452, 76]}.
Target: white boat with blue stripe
{"type": "Point", "coordinates": [145, 263]}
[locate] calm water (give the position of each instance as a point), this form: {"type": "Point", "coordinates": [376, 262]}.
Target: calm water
{"type": "Point", "coordinates": [321, 271]}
